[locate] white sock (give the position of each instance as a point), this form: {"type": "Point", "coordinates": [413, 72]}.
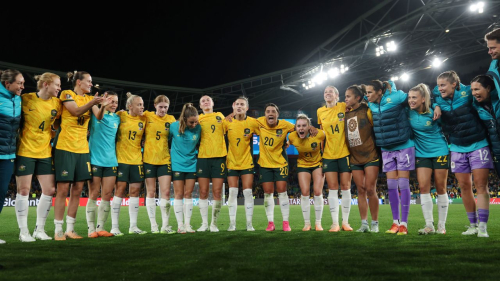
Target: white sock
{"type": "Point", "coordinates": [427, 208]}
{"type": "Point", "coordinates": [346, 205]}
{"type": "Point", "coordinates": [70, 224]}
{"type": "Point", "coordinates": [165, 212]}
{"type": "Point", "coordinates": [269, 206]}
{"type": "Point", "coordinates": [306, 209]}
{"type": "Point", "coordinates": [247, 193]}
{"type": "Point", "coordinates": [178, 210]}
{"type": "Point", "coordinates": [22, 205]}
{"type": "Point", "coordinates": [91, 206]}
{"type": "Point", "coordinates": [42, 211]}
{"type": "Point", "coordinates": [285, 205]}
{"type": "Point", "coordinates": [115, 212]}
{"type": "Point", "coordinates": [188, 211]}
{"type": "Point", "coordinates": [232, 204]}
{"type": "Point", "coordinates": [217, 205]}
{"type": "Point", "coordinates": [203, 204]}
{"type": "Point", "coordinates": [59, 225]}
{"type": "Point", "coordinates": [442, 203]}
{"type": "Point", "coordinates": [133, 211]}
{"type": "Point", "coordinates": [333, 201]}
{"type": "Point", "coordinates": [318, 208]}
{"type": "Point", "coordinates": [102, 214]}
{"type": "Point", "coordinates": [151, 207]}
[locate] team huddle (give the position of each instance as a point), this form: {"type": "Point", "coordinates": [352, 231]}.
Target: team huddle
{"type": "Point", "coordinates": [430, 131]}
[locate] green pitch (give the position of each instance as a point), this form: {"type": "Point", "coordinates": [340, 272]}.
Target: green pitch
{"type": "Point", "coordinates": [258, 255]}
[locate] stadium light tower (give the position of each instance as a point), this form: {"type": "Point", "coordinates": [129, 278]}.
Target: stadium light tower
{"type": "Point", "coordinates": [437, 62]}
{"type": "Point", "coordinates": [405, 77]}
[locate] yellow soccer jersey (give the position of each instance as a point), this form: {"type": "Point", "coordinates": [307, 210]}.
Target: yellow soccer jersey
{"type": "Point", "coordinates": [271, 143]}
{"type": "Point", "coordinates": [332, 121]}
{"type": "Point", "coordinates": [156, 144]}
{"type": "Point", "coordinates": [73, 135]}
{"type": "Point", "coordinates": [309, 149]}
{"type": "Point", "coordinates": [213, 143]}
{"type": "Point", "coordinates": [239, 135]}
{"type": "Point", "coordinates": [128, 143]}
{"type": "Point", "coordinates": [38, 116]}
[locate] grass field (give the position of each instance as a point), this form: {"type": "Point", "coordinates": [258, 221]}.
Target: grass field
{"type": "Point", "coordinates": [243, 255]}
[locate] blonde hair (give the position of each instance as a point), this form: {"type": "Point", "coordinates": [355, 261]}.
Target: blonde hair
{"type": "Point", "coordinates": [335, 90]}
{"type": "Point", "coordinates": [452, 77]}
{"type": "Point", "coordinates": [424, 92]}
{"type": "Point", "coordinates": [47, 77]}
{"type": "Point", "coordinates": [302, 116]}
{"type": "Point", "coordinates": [161, 98]}
{"type": "Point", "coordinates": [130, 99]}
{"type": "Point", "coordinates": [188, 110]}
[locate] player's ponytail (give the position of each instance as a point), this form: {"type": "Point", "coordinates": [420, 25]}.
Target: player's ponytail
{"type": "Point", "coordinates": [452, 77]}
{"type": "Point", "coordinates": [188, 110]}
{"type": "Point", "coordinates": [47, 77]}
{"type": "Point", "coordinates": [76, 75]}
{"type": "Point", "coordinates": [424, 92]}
{"type": "Point", "coordinates": [130, 100]}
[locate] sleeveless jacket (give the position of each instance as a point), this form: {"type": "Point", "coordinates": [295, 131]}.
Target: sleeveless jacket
{"type": "Point", "coordinates": [359, 136]}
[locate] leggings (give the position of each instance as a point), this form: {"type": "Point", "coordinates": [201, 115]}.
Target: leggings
{"type": "Point", "coordinates": [6, 169]}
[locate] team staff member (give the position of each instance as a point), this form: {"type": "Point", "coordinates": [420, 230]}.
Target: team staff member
{"type": "Point", "coordinates": [336, 157]}
{"type": "Point", "coordinates": [239, 160]}
{"type": "Point", "coordinates": [309, 165]}
{"type": "Point", "coordinates": [11, 86]}
{"type": "Point", "coordinates": [157, 164]}
{"type": "Point", "coordinates": [34, 155]}
{"type": "Point", "coordinates": [364, 156]}
{"type": "Point", "coordinates": [71, 156]}
{"type": "Point", "coordinates": [130, 168]}
{"type": "Point", "coordinates": [104, 124]}
{"type": "Point", "coordinates": [211, 163]}
{"type": "Point", "coordinates": [431, 151]}
{"type": "Point", "coordinates": [185, 136]}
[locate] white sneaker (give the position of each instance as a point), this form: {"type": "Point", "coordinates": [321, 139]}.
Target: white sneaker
{"type": "Point", "coordinates": [116, 232]}
{"type": "Point", "coordinates": [232, 227]}
{"type": "Point", "coordinates": [189, 229]}
{"type": "Point", "coordinates": [2, 241]}
{"type": "Point", "coordinates": [203, 227]}
{"type": "Point", "coordinates": [154, 229]}
{"type": "Point", "coordinates": [364, 228]}
{"type": "Point", "coordinates": [482, 232]}
{"type": "Point", "coordinates": [428, 229]}
{"type": "Point", "coordinates": [441, 229]}
{"type": "Point", "coordinates": [167, 230]}
{"type": "Point", "coordinates": [471, 230]}
{"type": "Point", "coordinates": [26, 237]}
{"type": "Point", "coordinates": [374, 228]}
{"type": "Point", "coordinates": [136, 230]}
{"type": "Point", "coordinates": [41, 235]}
{"type": "Point", "coordinates": [250, 227]}
{"type": "Point", "coordinates": [181, 229]}
{"type": "Point", "coordinates": [213, 228]}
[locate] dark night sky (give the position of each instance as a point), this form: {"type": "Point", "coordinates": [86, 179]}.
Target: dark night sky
{"type": "Point", "coordinates": [181, 43]}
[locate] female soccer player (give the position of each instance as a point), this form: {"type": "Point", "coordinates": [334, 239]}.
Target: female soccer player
{"type": "Point", "coordinates": [211, 163]}
{"type": "Point", "coordinates": [34, 155]}
{"type": "Point", "coordinates": [336, 157]}
{"type": "Point", "coordinates": [157, 163]}
{"type": "Point", "coordinates": [470, 154]}
{"type": "Point", "coordinates": [11, 86]}
{"type": "Point", "coordinates": [71, 156]}
{"type": "Point", "coordinates": [431, 151]}
{"type": "Point", "coordinates": [392, 133]}
{"type": "Point", "coordinates": [103, 128]}
{"type": "Point", "coordinates": [309, 166]}
{"type": "Point", "coordinates": [185, 135]}
{"type": "Point", "coordinates": [130, 168]}
{"type": "Point", "coordinates": [364, 156]}
{"type": "Point", "coordinates": [239, 160]}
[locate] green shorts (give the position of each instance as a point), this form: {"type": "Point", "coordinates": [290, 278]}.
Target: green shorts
{"type": "Point", "coordinates": [130, 173]}
{"type": "Point", "coordinates": [180, 176]}
{"type": "Point", "coordinates": [238, 173]}
{"type": "Point", "coordinates": [103, 172]}
{"type": "Point", "coordinates": [308, 170]}
{"type": "Point", "coordinates": [33, 166]}
{"type": "Point", "coordinates": [340, 165]}
{"type": "Point", "coordinates": [71, 166]}
{"type": "Point", "coordinates": [273, 174]}
{"type": "Point", "coordinates": [440, 162]}
{"type": "Point", "coordinates": [362, 167]}
{"type": "Point", "coordinates": [211, 168]}
{"type": "Point", "coordinates": [156, 171]}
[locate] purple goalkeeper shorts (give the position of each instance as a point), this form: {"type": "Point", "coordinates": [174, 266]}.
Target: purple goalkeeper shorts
{"type": "Point", "coordinates": [401, 160]}
{"type": "Point", "coordinates": [468, 161]}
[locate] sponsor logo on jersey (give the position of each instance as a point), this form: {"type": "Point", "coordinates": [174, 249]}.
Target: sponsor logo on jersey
{"type": "Point", "coordinates": [141, 125]}
{"type": "Point", "coordinates": [22, 168]}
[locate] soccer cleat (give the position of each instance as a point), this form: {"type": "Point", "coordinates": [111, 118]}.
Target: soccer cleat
{"type": "Point", "coordinates": [346, 227]}
{"type": "Point", "coordinates": [2, 241]}
{"type": "Point", "coordinates": [232, 227]}
{"type": "Point", "coordinates": [41, 235]}
{"type": "Point", "coordinates": [481, 232]}
{"type": "Point", "coordinates": [59, 236]}
{"type": "Point", "coordinates": [213, 228]}
{"type": "Point", "coordinates": [394, 229]}
{"type": "Point", "coordinates": [167, 230]}
{"type": "Point", "coordinates": [318, 227]}
{"type": "Point", "coordinates": [363, 228]}
{"type": "Point", "coordinates": [93, 235]}
{"type": "Point", "coordinates": [189, 229]}
{"type": "Point", "coordinates": [181, 230]}
{"type": "Point", "coordinates": [26, 237]}
{"type": "Point", "coordinates": [286, 226]}
{"type": "Point", "coordinates": [116, 232]}
{"type": "Point", "coordinates": [441, 229]}
{"type": "Point", "coordinates": [270, 226]}
{"type": "Point", "coordinates": [104, 233]}
{"type": "Point", "coordinates": [136, 230]}
{"type": "Point", "coordinates": [307, 227]}
{"type": "Point", "coordinates": [471, 230]}
{"type": "Point", "coordinates": [402, 230]}
{"type": "Point", "coordinates": [374, 228]}
{"type": "Point", "coordinates": [427, 230]}
{"type": "Point", "coordinates": [73, 235]}
{"type": "Point", "coordinates": [250, 227]}
{"type": "Point", "coordinates": [154, 229]}
{"type": "Point", "coordinates": [334, 228]}
{"type": "Point", "coordinates": [203, 227]}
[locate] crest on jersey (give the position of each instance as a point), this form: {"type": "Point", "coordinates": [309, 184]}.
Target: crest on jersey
{"type": "Point", "coordinates": [194, 137]}
{"type": "Point", "coordinates": [247, 131]}
{"type": "Point", "coordinates": [389, 100]}
{"type": "Point", "coordinates": [167, 126]}
{"type": "Point", "coordinates": [141, 125]}
{"type": "Point", "coordinates": [22, 168]}
{"type": "Point", "coordinates": [340, 116]}
{"type": "Point", "coordinates": [68, 96]}
{"type": "Point", "coordinates": [463, 93]}
{"type": "Point", "coordinates": [53, 112]}
{"type": "Point", "coordinates": [314, 145]}
{"type": "Point", "coordinates": [428, 123]}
